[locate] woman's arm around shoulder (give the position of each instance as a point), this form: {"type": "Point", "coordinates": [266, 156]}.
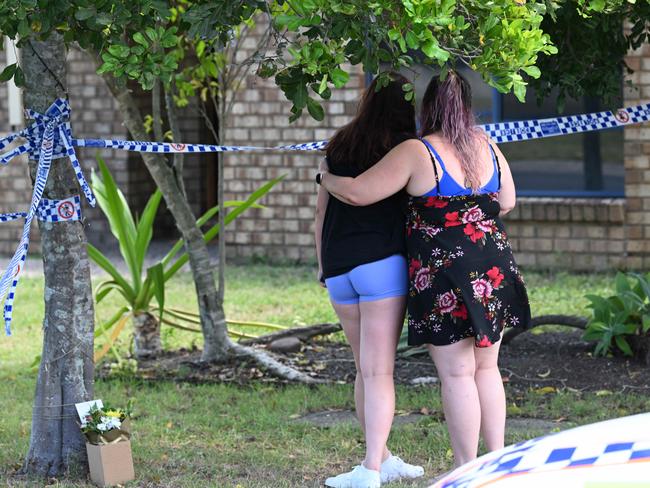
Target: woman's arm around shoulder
{"type": "Point", "coordinates": [507, 192]}
{"type": "Point", "coordinates": [392, 173]}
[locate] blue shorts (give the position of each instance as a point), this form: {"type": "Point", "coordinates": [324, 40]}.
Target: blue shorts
{"type": "Point", "coordinates": [370, 282]}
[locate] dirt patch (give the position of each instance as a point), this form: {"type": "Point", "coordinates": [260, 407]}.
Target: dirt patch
{"type": "Point", "coordinates": [556, 359]}
{"type": "Point", "coordinates": [331, 418]}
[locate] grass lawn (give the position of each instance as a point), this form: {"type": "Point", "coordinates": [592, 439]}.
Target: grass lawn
{"type": "Point", "coordinates": [217, 435]}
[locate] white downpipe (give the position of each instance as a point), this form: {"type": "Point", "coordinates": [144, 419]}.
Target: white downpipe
{"type": "Point", "coordinates": [14, 94]}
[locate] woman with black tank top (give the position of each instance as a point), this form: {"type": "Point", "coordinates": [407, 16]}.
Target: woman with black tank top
{"type": "Point", "coordinates": [361, 256]}
{"type": "Point", "coordinates": [465, 287]}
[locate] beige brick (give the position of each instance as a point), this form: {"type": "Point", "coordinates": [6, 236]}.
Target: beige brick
{"type": "Point", "coordinates": [641, 246]}
{"type": "Point", "coordinates": [634, 262]}
{"type": "Point", "coordinates": [616, 232]}
{"type": "Point", "coordinates": [615, 247]}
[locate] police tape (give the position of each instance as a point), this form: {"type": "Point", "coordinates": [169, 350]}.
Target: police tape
{"type": "Point", "coordinates": [49, 137]}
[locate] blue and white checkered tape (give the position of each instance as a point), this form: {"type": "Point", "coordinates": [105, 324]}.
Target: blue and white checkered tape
{"type": "Point", "coordinates": [67, 210]}
{"type": "Point", "coordinates": [50, 137]}
{"type": "Point", "coordinates": [526, 457]}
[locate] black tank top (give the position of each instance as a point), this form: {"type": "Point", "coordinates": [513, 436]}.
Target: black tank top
{"type": "Point", "coordinates": [358, 235]}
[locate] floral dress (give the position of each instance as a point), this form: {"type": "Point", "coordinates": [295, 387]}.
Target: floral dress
{"type": "Point", "coordinates": [464, 281]}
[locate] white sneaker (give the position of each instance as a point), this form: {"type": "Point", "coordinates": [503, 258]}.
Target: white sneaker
{"type": "Point", "coordinates": [359, 477]}
{"type": "Point", "coordinates": [393, 469]}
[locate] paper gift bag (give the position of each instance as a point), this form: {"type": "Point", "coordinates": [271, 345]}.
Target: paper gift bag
{"type": "Point", "coordinates": [110, 464]}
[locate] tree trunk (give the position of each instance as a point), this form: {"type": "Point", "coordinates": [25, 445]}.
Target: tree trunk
{"type": "Point", "coordinates": [147, 335]}
{"type": "Point", "coordinates": [213, 319]}
{"type": "Point", "coordinates": [66, 372]}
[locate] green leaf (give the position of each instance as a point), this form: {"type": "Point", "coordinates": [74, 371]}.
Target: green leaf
{"type": "Point", "coordinates": [104, 288]}
{"type": "Point", "coordinates": [19, 77]}
{"type": "Point", "coordinates": [596, 5]}
{"type": "Point", "coordinates": [432, 50]}
{"type": "Point", "coordinates": [85, 13]}
{"type": "Point", "coordinates": [8, 72]}
{"type": "Point", "coordinates": [300, 97]}
{"type": "Point", "coordinates": [623, 345]}
{"type": "Point", "coordinates": [283, 20]}
{"type": "Point", "coordinates": [156, 274]}
{"type": "Point", "coordinates": [323, 85]}
{"type": "Point", "coordinates": [23, 28]}
{"type": "Point", "coordinates": [645, 323]}
{"type": "Point", "coordinates": [104, 263]}
{"type": "Point", "coordinates": [339, 77]}
{"type": "Point", "coordinates": [144, 227]}
{"type": "Point", "coordinates": [519, 89]}
{"type": "Point", "coordinates": [532, 71]}
{"type": "Point", "coordinates": [140, 39]}
{"type": "Point", "coordinates": [412, 40]}
{"type": "Point", "coordinates": [315, 109]}
{"type": "Point", "coordinates": [112, 202]}
{"type": "Point", "coordinates": [119, 51]}
{"type": "Point", "coordinates": [622, 284]}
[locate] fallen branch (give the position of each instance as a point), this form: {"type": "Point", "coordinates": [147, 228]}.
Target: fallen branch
{"type": "Point", "coordinates": [302, 333]}
{"type": "Point", "coordinates": [272, 365]}
{"type": "Point", "coordinates": [567, 320]}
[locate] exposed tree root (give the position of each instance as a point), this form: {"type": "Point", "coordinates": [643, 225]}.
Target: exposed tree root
{"type": "Point", "coordinates": [272, 365]}
{"type": "Point", "coordinates": [568, 320]}
{"type": "Point", "coordinates": [302, 333]}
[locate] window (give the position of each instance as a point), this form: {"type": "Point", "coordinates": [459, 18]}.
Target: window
{"type": "Point", "coordinates": [582, 165]}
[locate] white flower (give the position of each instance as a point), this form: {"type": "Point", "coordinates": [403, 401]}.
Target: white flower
{"type": "Point", "coordinates": [109, 423]}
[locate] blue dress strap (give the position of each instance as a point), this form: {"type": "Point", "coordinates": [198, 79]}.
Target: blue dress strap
{"type": "Point", "coordinates": [431, 152]}
{"type": "Point", "coordinates": [495, 161]}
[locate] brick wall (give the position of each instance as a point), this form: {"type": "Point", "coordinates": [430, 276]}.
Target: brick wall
{"type": "Point", "coordinates": [284, 230]}
{"type": "Point", "coordinates": [568, 233]}
{"type": "Point", "coordinates": [637, 165]}
{"type": "Point", "coordinates": [561, 233]}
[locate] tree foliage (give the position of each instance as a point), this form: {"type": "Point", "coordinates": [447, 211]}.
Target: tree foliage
{"type": "Point", "coordinates": [316, 39]}
{"type": "Point", "coordinates": [500, 39]}
{"type": "Point", "coordinates": [509, 42]}
{"type": "Point", "coordinates": [592, 45]}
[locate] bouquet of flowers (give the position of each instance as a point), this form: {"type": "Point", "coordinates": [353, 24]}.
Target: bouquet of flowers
{"type": "Point", "coordinates": [105, 425]}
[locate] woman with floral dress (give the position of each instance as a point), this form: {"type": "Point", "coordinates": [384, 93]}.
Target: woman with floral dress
{"type": "Point", "coordinates": [465, 287]}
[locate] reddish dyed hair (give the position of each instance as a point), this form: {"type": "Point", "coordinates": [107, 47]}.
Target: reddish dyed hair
{"type": "Point", "coordinates": [384, 119]}
{"type": "Point", "coordinates": [447, 108]}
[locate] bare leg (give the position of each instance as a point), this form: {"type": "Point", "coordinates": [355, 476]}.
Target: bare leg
{"type": "Point", "coordinates": [381, 323]}
{"type": "Point", "coordinates": [349, 316]}
{"type": "Point", "coordinates": [460, 399]}
{"type": "Point", "coordinates": [491, 395]}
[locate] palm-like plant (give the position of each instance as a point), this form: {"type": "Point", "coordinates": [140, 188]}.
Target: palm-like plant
{"type": "Point", "coordinates": [139, 287]}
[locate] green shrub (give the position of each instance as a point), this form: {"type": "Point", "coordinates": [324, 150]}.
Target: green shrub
{"type": "Point", "coordinates": [619, 317]}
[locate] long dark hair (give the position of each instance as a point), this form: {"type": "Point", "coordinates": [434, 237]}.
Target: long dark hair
{"type": "Point", "coordinates": [447, 108]}
{"type": "Point", "coordinates": [384, 119]}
